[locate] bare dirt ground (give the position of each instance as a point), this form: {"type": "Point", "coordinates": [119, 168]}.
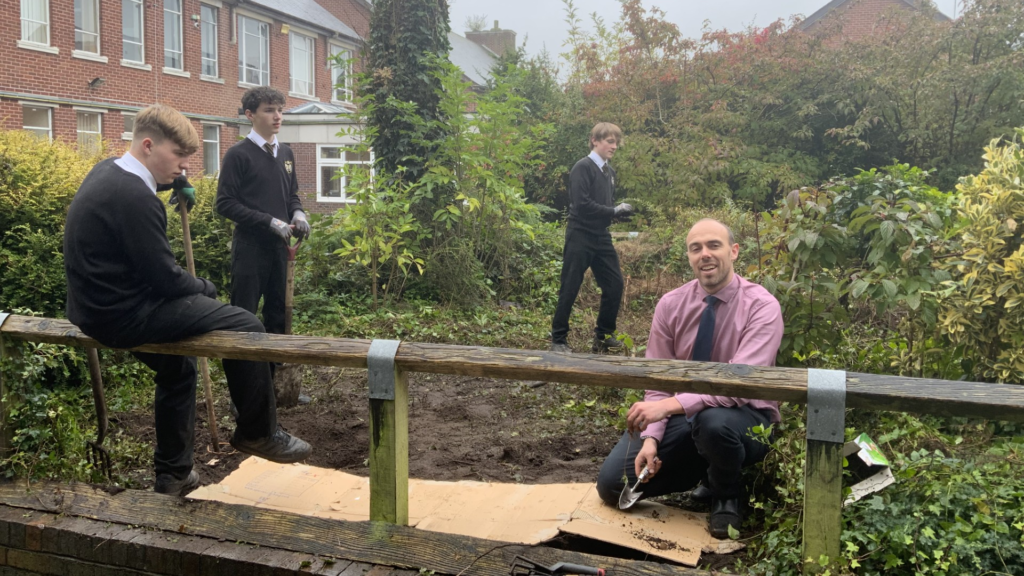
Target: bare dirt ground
{"type": "Point", "coordinates": [459, 428]}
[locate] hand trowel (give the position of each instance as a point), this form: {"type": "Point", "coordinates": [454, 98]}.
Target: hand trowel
{"type": "Point", "coordinates": [629, 495]}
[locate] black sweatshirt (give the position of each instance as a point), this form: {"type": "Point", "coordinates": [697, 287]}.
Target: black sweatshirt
{"type": "Point", "coordinates": [118, 262]}
{"type": "Point", "coordinates": [591, 197]}
{"type": "Point", "coordinates": [255, 187]}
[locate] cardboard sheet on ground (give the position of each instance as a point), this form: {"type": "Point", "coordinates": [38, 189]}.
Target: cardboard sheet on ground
{"type": "Point", "coordinates": [523, 513]}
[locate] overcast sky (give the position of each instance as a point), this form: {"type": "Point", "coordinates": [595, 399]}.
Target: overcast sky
{"type": "Point", "coordinates": [542, 22]}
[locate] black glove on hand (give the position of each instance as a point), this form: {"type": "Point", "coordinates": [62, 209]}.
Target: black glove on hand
{"type": "Point", "coordinates": [302, 229]}
{"type": "Point", "coordinates": [283, 230]}
{"type": "Point", "coordinates": [209, 290]}
{"type": "Point", "coordinates": [181, 184]}
{"type": "Point", "coordinates": [623, 212]}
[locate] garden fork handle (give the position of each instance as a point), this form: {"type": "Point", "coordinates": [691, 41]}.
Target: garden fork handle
{"type": "Point", "coordinates": [97, 394]}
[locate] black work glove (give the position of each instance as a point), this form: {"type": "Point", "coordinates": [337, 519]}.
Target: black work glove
{"type": "Point", "coordinates": [623, 212]}
{"type": "Point", "coordinates": [181, 184]}
{"type": "Point", "coordinates": [209, 290]}
{"type": "Point", "coordinates": [301, 225]}
{"type": "Point", "coordinates": [282, 230]}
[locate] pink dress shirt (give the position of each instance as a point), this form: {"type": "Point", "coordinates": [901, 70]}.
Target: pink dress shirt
{"type": "Point", "coordinates": [748, 330]}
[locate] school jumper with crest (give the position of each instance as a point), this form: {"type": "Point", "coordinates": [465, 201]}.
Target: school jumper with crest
{"type": "Point", "coordinates": [254, 188]}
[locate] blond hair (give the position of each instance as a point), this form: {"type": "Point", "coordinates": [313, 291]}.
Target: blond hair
{"type": "Point", "coordinates": [603, 130]}
{"type": "Point", "coordinates": [159, 122]}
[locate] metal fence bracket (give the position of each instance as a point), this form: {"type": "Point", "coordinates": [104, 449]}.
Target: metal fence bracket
{"type": "Point", "coordinates": [380, 367]}
{"type": "Point", "coordinates": [826, 405]}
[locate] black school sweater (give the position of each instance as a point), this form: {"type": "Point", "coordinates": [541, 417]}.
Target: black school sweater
{"type": "Point", "coordinates": [118, 262]}
{"type": "Point", "coordinates": [255, 187]}
{"type": "Point", "coordinates": [591, 197]}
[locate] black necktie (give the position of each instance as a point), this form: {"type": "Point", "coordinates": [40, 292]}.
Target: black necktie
{"type": "Point", "coordinates": [705, 332]}
{"type": "Point", "coordinates": [606, 170]}
{"type": "Point", "coordinates": [269, 148]}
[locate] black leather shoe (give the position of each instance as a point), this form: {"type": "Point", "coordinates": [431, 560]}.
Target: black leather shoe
{"type": "Point", "coordinates": [282, 447]}
{"type": "Point", "coordinates": [724, 513]}
{"type": "Point", "coordinates": [701, 494]}
{"type": "Point", "coordinates": [560, 348]}
{"type": "Point", "coordinates": [604, 344]}
{"type": "Point", "coordinates": [167, 484]}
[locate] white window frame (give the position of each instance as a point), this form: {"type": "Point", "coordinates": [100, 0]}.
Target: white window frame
{"type": "Point", "coordinates": [82, 52]}
{"type": "Point", "coordinates": [141, 62]}
{"type": "Point", "coordinates": [264, 52]}
{"type": "Point", "coordinates": [27, 23]}
{"type": "Point", "coordinates": [204, 35]}
{"type": "Point", "coordinates": [296, 57]}
{"type": "Point", "coordinates": [217, 126]}
{"type": "Point", "coordinates": [334, 67]}
{"type": "Point", "coordinates": [49, 118]}
{"type": "Point", "coordinates": [99, 127]}
{"type": "Point", "coordinates": [129, 134]}
{"type": "Point", "coordinates": [322, 163]}
{"type": "Point", "coordinates": [171, 26]}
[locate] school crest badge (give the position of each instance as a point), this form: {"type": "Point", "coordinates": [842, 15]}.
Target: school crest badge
{"type": "Point", "coordinates": [288, 166]}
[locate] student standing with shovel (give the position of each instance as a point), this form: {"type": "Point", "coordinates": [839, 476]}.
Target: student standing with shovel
{"type": "Point", "coordinates": [258, 189]}
{"type": "Point", "coordinates": [125, 290]}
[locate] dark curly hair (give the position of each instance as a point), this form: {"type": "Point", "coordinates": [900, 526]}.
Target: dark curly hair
{"type": "Point", "coordinates": [254, 97]}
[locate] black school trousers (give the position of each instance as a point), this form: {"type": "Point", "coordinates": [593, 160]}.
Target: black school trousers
{"type": "Point", "coordinates": [583, 250]}
{"type": "Point", "coordinates": [260, 271]}
{"type": "Point", "coordinates": [250, 383]}
{"type": "Point", "coordinates": [716, 446]}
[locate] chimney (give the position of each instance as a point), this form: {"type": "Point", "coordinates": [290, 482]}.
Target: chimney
{"type": "Point", "coordinates": [497, 40]}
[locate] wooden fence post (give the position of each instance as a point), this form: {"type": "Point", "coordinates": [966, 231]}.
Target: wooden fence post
{"type": "Point", "coordinates": [6, 434]}
{"type": "Point", "coordinates": [389, 434]}
{"type": "Point", "coordinates": [823, 473]}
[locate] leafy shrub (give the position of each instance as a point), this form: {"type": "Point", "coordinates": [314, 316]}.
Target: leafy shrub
{"type": "Point", "coordinates": [38, 178]}
{"type": "Point", "coordinates": [33, 277]}
{"type": "Point", "coordinates": [982, 306]}
{"type": "Point", "coordinates": [211, 235]}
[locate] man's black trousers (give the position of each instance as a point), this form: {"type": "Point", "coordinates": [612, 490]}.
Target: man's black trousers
{"type": "Point", "coordinates": [717, 445]}
{"type": "Point", "coordinates": [175, 405]}
{"type": "Point", "coordinates": [595, 251]}
{"type": "Point", "coordinates": [260, 271]}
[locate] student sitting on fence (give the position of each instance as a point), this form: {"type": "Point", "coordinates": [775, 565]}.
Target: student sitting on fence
{"type": "Point", "coordinates": [689, 438]}
{"type": "Point", "coordinates": [125, 290]}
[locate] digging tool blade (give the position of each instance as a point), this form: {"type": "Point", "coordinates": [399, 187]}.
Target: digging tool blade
{"type": "Point", "coordinates": [630, 495]}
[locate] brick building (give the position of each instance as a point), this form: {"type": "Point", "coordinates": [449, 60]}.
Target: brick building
{"type": "Point", "coordinates": [856, 19]}
{"type": "Point", "coordinates": [79, 70]}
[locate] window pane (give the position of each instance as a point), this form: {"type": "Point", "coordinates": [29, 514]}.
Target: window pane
{"type": "Point", "coordinates": [211, 149]}
{"type": "Point", "coordinates": [88, 122]}
{"type": "Point", "coordinates": [253, 61]}
{"type": "Point", "coordinates": [86, 26]}
{"type": "Point", "coordinates": [357, 156]}
{"type": "Point", "coordinates": [131, 30]}
{"type": "Point", "coordinates": [172, 34]}
{"type": "Point", "coordinates": [330, 186]}
{"type": "Point", "coordinates": [89, 133]}
{"type": "Point", "coordinates": [129, 123]}
{"type": "Point", "coordinates": [330, 152]}
{"type": "Point", "coordinates": [35, 21]}
{"type": "Point", "coordinates": [302, 64]}
{"type": "Point", "coordinates": [339, 73]}
{"type": "Point", "coordinates": [36, 118]}
{"type": "Point", "coordinates": [209, 40]}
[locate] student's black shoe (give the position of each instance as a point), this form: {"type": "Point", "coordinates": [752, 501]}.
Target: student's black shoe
{"type": "Point", "coordinates": [282, 447]}
{"type": "Point", "coordinates": [604, 344]}
{"type": "Point", "coordinates": [560, 348]}
{"type": "Point", "coordinates": [724, 513]}
{"type": "Point", "coordinates": [167, 484]}
{"type": "Point", "coordinates": [701, 494]}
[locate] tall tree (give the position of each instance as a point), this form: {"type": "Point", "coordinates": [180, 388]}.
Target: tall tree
{"type": "Point", "coordinates": [407, 39]}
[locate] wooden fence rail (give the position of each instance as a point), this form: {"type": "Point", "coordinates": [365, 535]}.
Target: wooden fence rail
{"type": "Point", "coordinates": [823, 497]}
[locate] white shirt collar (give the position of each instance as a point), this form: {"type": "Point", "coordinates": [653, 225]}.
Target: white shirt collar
{"type": "Point", "coordinates": [260, 141]}
{"type": "Point", "coordinates": [597, 159]}
{"type": "Point", "coordinates": [132, 165]}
